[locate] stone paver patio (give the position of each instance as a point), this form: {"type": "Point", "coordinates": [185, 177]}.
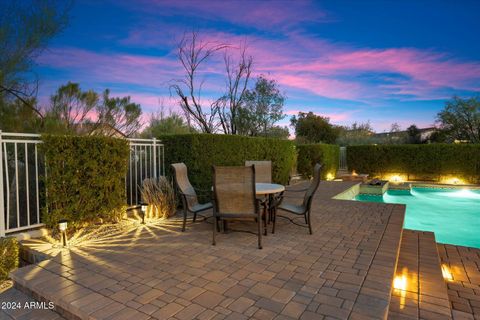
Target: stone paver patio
{"type": "Point", "coordinates": [464, 286]}
{"type": "Point", "coordinates": [344, 270]}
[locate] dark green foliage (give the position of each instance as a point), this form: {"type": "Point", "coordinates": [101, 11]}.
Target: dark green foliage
{"type": "Point", "coordinates": [414, 134]}
{"type": "Point", "coordinates": [460, 119]}
{"type": "Point", "coordinates": [262, 108]}
{"type": "Point", "coordinates": [431, 160]}
{"type": "Point", "coordinates": [171, 124]}
{"type": "Point", "coordinates": [312, 128]}
{"type": "Point", "coordinates": [201, 151]}
{"type": "Point", "coordinates": [8, 256]}
{"type": "Point", "coordinates": [85, 177]}
{"type": "Point", "coordinates": [26, 29]}
{"type": "Point", "coordinates": [310, 154]}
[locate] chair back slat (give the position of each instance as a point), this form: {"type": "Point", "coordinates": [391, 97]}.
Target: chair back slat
{"type": "Point", "coordinates": [234, 189]}
{"type": "Point", "coordinates": [263, 170]}
{"type": "Point", "coordinates": [183, 184]}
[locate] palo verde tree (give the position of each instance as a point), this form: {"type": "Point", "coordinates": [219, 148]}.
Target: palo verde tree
{"type": "Point", "coordinates": [26, 28]}
{"type": "Point", "coordinates": [73, 110]}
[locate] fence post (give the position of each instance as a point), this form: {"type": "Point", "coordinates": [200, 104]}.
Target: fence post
{"type": "Point", "coordinates": [343, 158]}
{"type": "Point", "coordinates": [155, 158]}
{"type": "Point", "coordinates": [2, 208]}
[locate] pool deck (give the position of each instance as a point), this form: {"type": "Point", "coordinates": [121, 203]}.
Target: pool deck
{"type": "Point", "coordinates": [464, 287]}
{"type": "Point", "coordinates": [345, 270]}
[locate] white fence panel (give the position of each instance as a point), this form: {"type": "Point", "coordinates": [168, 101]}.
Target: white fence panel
{"type": "Point", "coordinates": [22, 168]}
{"type": "Point", "coordinates": [146, 161]}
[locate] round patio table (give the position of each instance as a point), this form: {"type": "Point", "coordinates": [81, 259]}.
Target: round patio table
{"type": "Point", "coordinates": [268, 188]}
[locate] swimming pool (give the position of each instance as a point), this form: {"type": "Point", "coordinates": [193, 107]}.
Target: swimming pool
{"type": "Point", "coordinates": [453, 214]}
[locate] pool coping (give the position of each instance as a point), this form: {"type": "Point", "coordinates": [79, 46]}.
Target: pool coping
{"type": "Point", "coordinates": [353, 191]}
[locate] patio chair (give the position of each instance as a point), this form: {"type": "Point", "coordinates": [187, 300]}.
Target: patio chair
{"type": "Point", "coordinates": [304, 208]}
{"type": "Point", "coordinates": [188, 194]}
{"type": "Point", "coordinates": [234, 190]}
{"type": "Point", "coordinates": [263, 174]}
{"type": "Point", "coordinates": [263, 170]}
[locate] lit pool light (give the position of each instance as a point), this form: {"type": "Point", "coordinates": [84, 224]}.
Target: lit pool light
{"type": "Point", "coordinates": [453, 214]}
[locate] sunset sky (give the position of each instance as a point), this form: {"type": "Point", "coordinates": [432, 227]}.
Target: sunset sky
{"type": "Point", "coordinates": [383, 61]}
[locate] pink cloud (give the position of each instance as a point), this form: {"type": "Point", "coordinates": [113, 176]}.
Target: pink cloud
{"type": "Point", "coordinates": [425, 71]}
{"type": "Point", "coordinates": [257, 14]}
{"type": "Point", "coordinates": [112, 67]}
{"type": "Point", "coordinates": [297, 61]}
{"type": "Point", "coordinates": [330, 70]}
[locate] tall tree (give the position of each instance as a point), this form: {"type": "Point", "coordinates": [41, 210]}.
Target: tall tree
{"type": "Point", "coordinates": [414, 134]}
{"type": "Point", "coordinates": [311, 128]}
{"type": "Point", "coordinates": [262, 107]}
{"type": "Point", "coordinates": [238, 75]}
{"type": "Point", "coordinates": [26, 28]}
{"type": "Point", "coordinates": [192, 53]}
{"type": "Point", "coordinates": [460, 119]}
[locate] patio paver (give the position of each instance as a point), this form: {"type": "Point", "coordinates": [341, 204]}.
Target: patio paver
{"type": "Point", "coordinates": [423, 293]}
{"type": "Point", "coordinates": [344, 270]}
{"type": "Point", "coordinates": [464, 287]}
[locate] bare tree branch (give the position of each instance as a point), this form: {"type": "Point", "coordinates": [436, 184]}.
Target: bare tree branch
{"type": "Point", "coordinates": [238, 76]}
{"type": "Point", "coordinates": [192, 53]}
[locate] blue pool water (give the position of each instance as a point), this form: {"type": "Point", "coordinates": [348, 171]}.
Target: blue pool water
{"type": "Point", "coordinates": [453, 214]}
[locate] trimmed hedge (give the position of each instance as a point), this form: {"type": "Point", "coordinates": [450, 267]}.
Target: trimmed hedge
{"type": "Point", "coordinates": [201, 151]}
{"type": "Point", "coordinates": [85, 178]}
{"type": "Point", "coordinates": [310, 154]}
{"type": "Point", "coordinates": [420, 160]}
{"type": "Point", "coordinates": [8, 256]}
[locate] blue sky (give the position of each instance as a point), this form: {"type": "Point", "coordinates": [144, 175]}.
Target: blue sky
{"type": "Point", "coordinates": [377, 61]}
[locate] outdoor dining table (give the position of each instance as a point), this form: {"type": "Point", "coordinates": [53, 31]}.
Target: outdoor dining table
{"type": "Point", "coordinates": [262, 188]}
{"type": "Point", "coordinates": [268, 188]}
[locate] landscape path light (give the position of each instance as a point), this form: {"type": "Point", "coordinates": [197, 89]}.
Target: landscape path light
{"type": "Point", "coordinates": [144, 207]}
{"type": "Point", "coordinates": [62, 226]}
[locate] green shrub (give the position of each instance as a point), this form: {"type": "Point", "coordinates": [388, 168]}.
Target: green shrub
{"type": "Point", "coordinates": [427, 161]}
{"type": "Point", "coordinates": [201, 151]}
{"type": "Point", "coordinates": [8, 256]}
{"type": "Point", "coordinates": [325, 154]}
{"type": "Point", "coordinates": [85, 178]}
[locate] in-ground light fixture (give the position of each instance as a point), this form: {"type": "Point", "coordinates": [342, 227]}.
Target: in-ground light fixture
{"type": "Point", "coordinates": [62, 226]}
{"type": "Point", "coordinates": [144, 206]}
